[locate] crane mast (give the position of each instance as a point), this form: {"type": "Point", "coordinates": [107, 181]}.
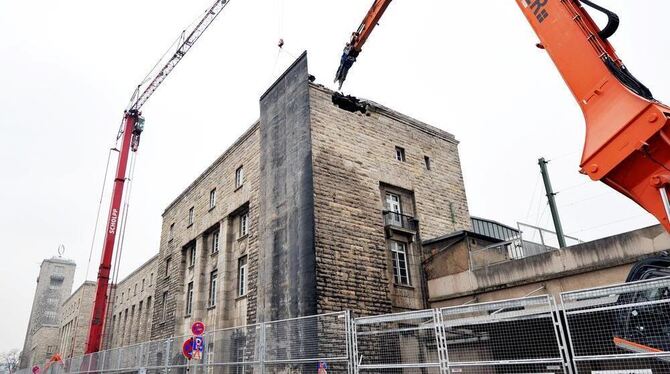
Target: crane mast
{"type": "Point", "coordinates": [130, 132]}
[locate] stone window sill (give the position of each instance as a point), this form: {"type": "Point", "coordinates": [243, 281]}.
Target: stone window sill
{"type": "Point", "coordinates": [214, 254]}
{"type": "Point", "coordinates": [241, 297]}
{"type": "Point", "coordinates": [212, 208]}
{"type": "Point", "coordinates": [403, 286]}
{"type": "Point", "coordinates": [187, 316]}
{"type": "Point", "coordinates": [191, 267]}
{"type": "Point", "coordinates": [211, 307]}
{"type": "Point", "coordinates": [242, 237]}
{"type": "Point", "coordinates": [238, 188]}
{"type": "Point", "coordinates": [189, 225]}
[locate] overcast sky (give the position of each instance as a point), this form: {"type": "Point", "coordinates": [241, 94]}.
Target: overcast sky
{"type": "Point", "coordinates": [469, 67]}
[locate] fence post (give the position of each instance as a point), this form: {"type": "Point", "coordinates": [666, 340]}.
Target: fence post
{"type": "Point", "coordinates": [167, 355]}
{"type": "Point", "coordinates": [354, 343]}
{"type": "Point", "coordinates": [440, 336]}
{"type": "Point", "coordinates": [102, 365]}
{"type": "Point", "coordinates": [561, 337]}
{"type": "Point", "coordinates": [90, 361]}
{"type": "Point", "coordinates": [261, 357]}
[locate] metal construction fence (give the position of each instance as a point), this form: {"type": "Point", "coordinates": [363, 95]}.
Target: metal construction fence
{"type": "Point", "coordinates": [620, 329]}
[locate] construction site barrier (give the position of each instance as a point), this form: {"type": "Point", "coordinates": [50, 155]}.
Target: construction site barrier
{"type": "Point", "coordinates": [620, 329]}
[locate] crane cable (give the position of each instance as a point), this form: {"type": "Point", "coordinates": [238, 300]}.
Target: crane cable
{"type": "Point", "coordinates": [122, 229]}
{"type": "Point", "coordinates": [97, 217]}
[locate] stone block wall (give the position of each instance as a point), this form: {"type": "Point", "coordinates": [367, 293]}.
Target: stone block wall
{"type": "Point", "coordinates": [174, 268]}
{"type": "Point", "coordinates": [130, 318]}
{"type": "Point", "coordinates": [354, 160]}
{"type": "Point", "coordinates": [75, 321]}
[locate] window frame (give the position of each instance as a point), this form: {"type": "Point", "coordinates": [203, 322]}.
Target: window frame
{"type": "Point", "coordinates": [191, 216]}
{"type": "Point", "coordinates": [191, 256]}
{"type": "Point", "coordinates": [171, 232]}
{"type": "Point", "coordinates": [216, 241]}
{"type": "Point", "coordinates": [400, 154]}
{"type": "Point", "coordinates": [213, 283]}
{"type": "Point", "coordinates": [164, 311]}
{"type": "Point", "coordinates": [244, 224]}
{"type": "Point", "coordinates": [168, 261]}
{"type": "Point", "coordinates": [400, 249]}
{"type": "Point", "coordinates": [428, 162]}
{"type": "Point", "coordinates": [212, 199]}
{"type": "Point", "coordinates": [189, 299]}
{"type": "Point", "coordinates": [242, 275]}
{"type": "Point", "coordinates": [239, 177]}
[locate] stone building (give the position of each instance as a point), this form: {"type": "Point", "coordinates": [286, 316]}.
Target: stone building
{"type": "Point", "coordinates": [54, 285]}
{"type": "Point", "coordinates": [313, 209]}
{"type": "Point", "coordinates": [130, 313]}
{"type": "Point", "coordinates": [75, 320]}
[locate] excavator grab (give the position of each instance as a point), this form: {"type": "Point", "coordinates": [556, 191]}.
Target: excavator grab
{"type": "Point", "coordinates": [627, 143]}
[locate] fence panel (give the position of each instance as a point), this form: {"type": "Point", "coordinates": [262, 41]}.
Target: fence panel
{"type": "Point", "coordinates": [307, 344]}
{"type": "Point", "coordinates": [511, 336]}
{"type": "Point", "coordinates": [397, 343]}
{"type": "Point", "coordinates": [620, 329]}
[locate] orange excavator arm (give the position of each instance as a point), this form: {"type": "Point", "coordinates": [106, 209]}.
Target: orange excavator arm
{"type": "Point", "coordinates": [627, 142]}
{"type": "Point", "coordinates": [359, 37]}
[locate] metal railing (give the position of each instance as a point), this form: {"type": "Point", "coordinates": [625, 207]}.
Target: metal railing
{"type": "Point", "coordinates": [610, 330]}
{"type": "Point", "coordinates": [398, 220]}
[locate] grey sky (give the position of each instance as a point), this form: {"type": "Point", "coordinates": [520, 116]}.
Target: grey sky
{"type": "Point", "coordinates": [469, 67]}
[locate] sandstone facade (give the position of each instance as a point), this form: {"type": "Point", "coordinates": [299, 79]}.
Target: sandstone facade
{"type": "Point", "coordinates": [75, 320]}
{"type": "Point", "coordinates": [129, 319]}
{"type": "Point", "coordinates": [314, 204]}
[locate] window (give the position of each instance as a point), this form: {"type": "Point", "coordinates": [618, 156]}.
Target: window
{"type": "Point", "coordinates": [151, 279]}
{"type": "Point", "coordinates": [171, 233]}
{"type": "Point", "coordinates": [393, 206]}
{"type": "Point", "coordinates": [215, 242]}
{"type": "Point", "coordinates": [167, 266]}
{"type": "Point", "coordinates": [122, 295]}
{"type": "Point", "coordinates": [135, 292]}
{"type": "Point", "coordinates": [189, 299]}
{"type": "Point", "coordinates": [244, 224]}
{"type": "Point", "coordinates": [242, 276]}
{"type": "Point", "coordinates": [399, 256]}
{"type": "Point", "coordinates": [400, 153]}
{"type": "Point", "coordinates": [212, 198]}
{"type": "Point", "coordinates": [191, 257]}
{"type": "Point", "coordinates": [426, 159]}
{"type": "Point", "coordinates": [239, 177]}
{"type": "Point", "coordinates": [142, 284]}
{"type": "Point", "coordinates": [212, 288]}
{"type": "Point", "coordinates": [190, 216]}
{"type": "Point", "coordinates": [164, 311]}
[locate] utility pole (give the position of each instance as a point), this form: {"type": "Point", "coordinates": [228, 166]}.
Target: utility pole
{"type": "Point", "coordinates": [551, 196]}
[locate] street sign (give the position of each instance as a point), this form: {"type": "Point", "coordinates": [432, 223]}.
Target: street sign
{"type": "Point", "coordinates": [198, 328]}
{"type": "Point", "coordinates": [198, 343]}
{"type": "Point", "coordinates": [322, 367]}
{"type": "Point", "coordinates": [187, 348]}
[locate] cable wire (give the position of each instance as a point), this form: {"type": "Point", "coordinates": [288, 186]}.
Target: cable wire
{"type": "Point", "coordinates": [97, 217]}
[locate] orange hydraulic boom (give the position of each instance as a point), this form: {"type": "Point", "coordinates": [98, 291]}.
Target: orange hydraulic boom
{"type": "Point", "coordinates": [627, 142]}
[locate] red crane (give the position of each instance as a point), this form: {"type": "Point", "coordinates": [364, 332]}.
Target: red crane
{"type": "Point", "coordinates": [130, 132]}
